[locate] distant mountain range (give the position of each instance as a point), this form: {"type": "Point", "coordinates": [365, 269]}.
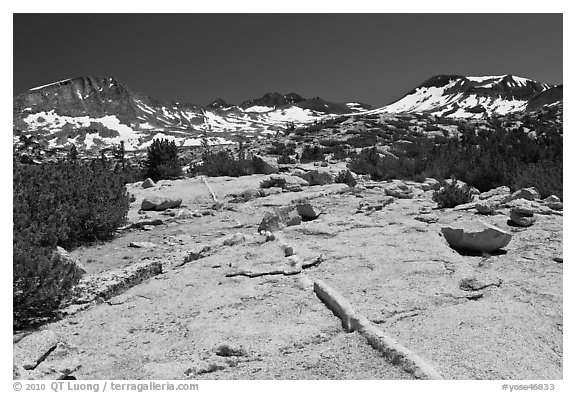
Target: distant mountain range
{"type": "Point", "coordinates": [475, 97]}
{"type": "Point", "coordinates": [96, 112]}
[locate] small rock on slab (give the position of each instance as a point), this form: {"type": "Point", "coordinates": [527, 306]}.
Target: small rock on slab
{"type": "Point", "coordinates": [486, 207]}
{"type": "Point", "coordinates": [279, 219]}
{"type": "Point", "coordinates": [307, 211]}
{"type": "Point", "coordinates": [499, 191]}
{"type": "Point", "coordinates": [554, 203]}
{"type": "Point", "coordinates": [156, 202]}
{"type": "Point", "coordinates": [430, 184]}
{"type": "Point", "coordinates": [148, 183]}
{"type": "Point", "coordinates": [141, 244]}
{"type": "Point", "coordinates": [529, 194]}
{"type": "Point", "coordinates": [427, 218]}
{"type": "Point", "coordinates": [317, 177]}
{"type": "Point", "coordinates": [238, 238]}
{"type": "Point", "coordinates": [476, 284]}
{"type": "Point", "coordinates": [226, 350]}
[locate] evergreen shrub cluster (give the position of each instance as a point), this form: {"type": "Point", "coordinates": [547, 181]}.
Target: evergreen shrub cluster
{"type": "Point", "coordinates": [224, 163]}
{"type": "Point", "coordinates": [58, 204]}
{"type": "Point", "coordinates": [162, 160]}
{"type": "Point", "coordinates": [482, 158]}
{"type": "Point", "coordinates": [312, 153]}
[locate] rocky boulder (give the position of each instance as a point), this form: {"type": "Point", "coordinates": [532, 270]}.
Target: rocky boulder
{"type": "Point", "coordinates": [148, 183]}
{"type": "Point", "coordinates": [487, 207]}
{"type": "Point", "coordinates": [346, 177]}
{"type": "Point", "coordinates": [317, 177]}
{"type": "Point", "coordinates": [522, 213]}
{"type": "Point", "coordinates": [157, 202]}
{"type": "Point", "coordinates": [307, 211]}
{"type": "Point", "coordinates": [430, 184]}
{"type": "Point", "coordinates": [264, 165]}
{"type": "Point", "coordinates": [270, 191]}
{"type": "Point", "coordinates": [502, 191]}
{"type": "Point", "coordinates": [280, 218]}
{"type": "Point", "coordinates": [64, 266]}
{"type": "Point", "coordinates": [399, 190]}
{"type": "Point", "coordinates": [530, 194]}
{"type": "Point", "coordinates": [285, 182]}
{"type": "Point", "coordinates": [486, 240]}
{"type": "Point", "coordinates": [246, 195]}
{"type": "Point", "coordinates": [236, 239]}
{"type": "Point", "coordinates": [554, 203]}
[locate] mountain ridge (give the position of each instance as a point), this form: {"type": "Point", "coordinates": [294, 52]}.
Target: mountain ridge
{"type": "Point", "coordinates": [96, 112]}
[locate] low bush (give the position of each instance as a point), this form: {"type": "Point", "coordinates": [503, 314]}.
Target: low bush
{"type": "Point", "coordinates": [58, 204]}
{"type": "Point", "coordinates": [286, 159]}
{"type": "Point", "coordinates": [546, 177]}
{"type": "Point", "coordinates": [280, 148]}
{"type": "Point", "coordinates": [452, 194]}
{"type": "Point", "coordinates": [345, 177]}
{"type": "Point", "coordinates": [312, 153]}
{"type": "Point", "coordinates": [223, 163]}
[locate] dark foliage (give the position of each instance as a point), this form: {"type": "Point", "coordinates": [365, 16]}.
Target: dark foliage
{"type": "Point", "coordinates": [286, 159]}
{"type": "Point", "coordinates": [224, 163]}
{"type": "Point", "coordinates": [345, 177]}
{"type": "Point", "coordinates": [451, 194]}
{"type": "Point", "coordinates": [280, 148]}
{"type": "Point", "coordinates": [58, 204]}
{"type": "Point", "coordinates": [504, 154]}
{"type": "Point", "coordinates": [312, 153]}
{"type": "Point", "coordinates": [162, 161]}
{"type": "Point", "coordinates": [339, 152]}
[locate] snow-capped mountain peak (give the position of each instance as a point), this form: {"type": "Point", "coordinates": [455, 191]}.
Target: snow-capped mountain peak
{"type": "Point", "coordinates": [468, 96]}
{"type": "Point", "coordinates": [96, 112]}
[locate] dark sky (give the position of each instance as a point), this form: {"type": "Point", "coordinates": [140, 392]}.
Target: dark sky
{"type": "Point", "coordinates": [195, 58]}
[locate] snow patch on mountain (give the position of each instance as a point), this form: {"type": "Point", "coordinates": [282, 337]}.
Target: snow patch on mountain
{"type": "Point", "coordinates": [54, 122]}
{"type": "Point", "coordinates": [259, 109]}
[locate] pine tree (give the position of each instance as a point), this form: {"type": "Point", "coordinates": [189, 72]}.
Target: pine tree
{"type": "Point", "coordinates": [73, 153]}
{"type": "Point", "coordinates": [162, 161]}
{"type": "Point", "coordinates": [118, 154]}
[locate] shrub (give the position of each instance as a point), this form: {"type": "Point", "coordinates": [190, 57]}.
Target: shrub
{"type": "Point", "coordinates": [312, 153]}
{"type": "Point", "coordinates": [452, 194]}
{"type": "Point", "coordinates": [546, 177]}
{"type": "Point", "coordinates": [286, 159]}
{"type": "Point", "coordinates": [346, 177]}
{"type": "Point", "coordinates": [162, 160]}
{"type": "Point", "coordinates": [380, 167]}
{"type": "Point", "coordinates": [224, 163]}
{"type": "Point", "coordinates": [339, 152]}
{"type": "Point", "coordinates": [368, 162]}
{"type": "Point", "coordinates": [363, 140]}
{"type": "Point", "coordinates": [279, 148]}
{"type": "Point", "coordinates": [62, 204]}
